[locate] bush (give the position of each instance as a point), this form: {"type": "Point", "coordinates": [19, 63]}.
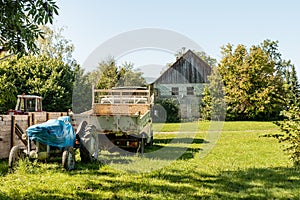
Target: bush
{"type": "Point", "coordinates": [290, 127]}
{"type": "Point", "coordinates": [168, 111]}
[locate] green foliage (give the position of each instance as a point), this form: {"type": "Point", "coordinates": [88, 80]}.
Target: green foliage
{"type": "Point", "coordinates": [253, 81]}
{"type": "Point", "coordinates": [130, 76]}
{"type": "Point", "coordinates": [54, 45]}
{"type": "Point", "coordinates": [113, 76]}
{"type": "Point", "coordinates": [290, 134]}
{"type": "Point", "coordinates": [40, 75]}
{"type": "Point", "coordinates": [20, 21]}
{"type": "Point", "coordinates": [212, 62]}
{"type": "Point", "coordinates": [109, 74]}
{"type": "Point", "coordinates": [82, 92]}
{"type": "Point", "coordinates": [213, 106]}
{"type": "Point", "coordinates": [171, 109]}
{"type": "Point", "coordinates": [8, 92]}
{"type": "Point", "coordinates": [291, 87]}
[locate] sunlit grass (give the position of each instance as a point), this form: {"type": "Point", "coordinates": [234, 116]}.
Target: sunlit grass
{"type": "Point", "coordinates": [241, 165]}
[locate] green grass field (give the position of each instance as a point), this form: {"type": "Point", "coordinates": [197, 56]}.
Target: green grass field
{"type": "Point", "coordinates": [241, 165]}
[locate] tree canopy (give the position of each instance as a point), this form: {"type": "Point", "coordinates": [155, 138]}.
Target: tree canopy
{"type": "Point", "coordinates": [112, 75]}
{"type": "Point", "coordinates": [49, 74]}
{"type": "Point", "coordinates": [20, 21]}
{"type": "Point", "coordinates": [254, 81]}
{"type": "Point", "coordinates": [40, 75]}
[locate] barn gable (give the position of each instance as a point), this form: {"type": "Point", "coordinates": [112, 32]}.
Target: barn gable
{"type": "Point", "coordinates": [187, 69]}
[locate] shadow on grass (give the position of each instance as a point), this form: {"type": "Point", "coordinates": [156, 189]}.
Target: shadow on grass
{"type": "Point", "coordinates": [252, 183]}
{"type": "Point", "coordinates": [162, 149]}
{"type": "Point", "coordinates": [174, 148]}
{"type": "Point", "coordinates": [179, 140]}
{"type": "Point", "coordinates": [168, 153]}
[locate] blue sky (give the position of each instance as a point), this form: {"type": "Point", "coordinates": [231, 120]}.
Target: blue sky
{"type": "Point", "coordinates": [210, 24]}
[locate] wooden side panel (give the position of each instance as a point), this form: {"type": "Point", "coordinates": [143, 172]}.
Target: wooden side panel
{"type": "Point", "coordinates": [120, 109]}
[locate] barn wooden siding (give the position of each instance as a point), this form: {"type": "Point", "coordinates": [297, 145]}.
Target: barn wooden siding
{"type": "Point", "coordinates": [187, 69]}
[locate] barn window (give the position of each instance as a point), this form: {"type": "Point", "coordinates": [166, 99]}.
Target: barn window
{"type": "Point", "coordinates": [175, 91]}
{"type": "Point", "coordinates": [190, 90]}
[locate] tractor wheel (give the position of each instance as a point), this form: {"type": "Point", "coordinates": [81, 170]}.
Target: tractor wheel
{"type": "Point", "coordinates": [68, 158]}
{"type": "Point", "coordinates": [14, 155]}
{"type": "Point", "coordinates": [89, 144]}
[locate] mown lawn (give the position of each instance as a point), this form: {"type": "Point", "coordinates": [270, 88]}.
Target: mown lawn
{"type": "Point", "coordinates": [241, 165]}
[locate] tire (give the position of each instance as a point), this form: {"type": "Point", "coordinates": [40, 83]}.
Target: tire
{"type": "Point", "coordinates": [150, 144]}
{"type": "Point", "coordinates": [142, 146]}
{"type": "Point", "coordinates": [142, 143]}
{"type": "Point", "coordinates": [85, 155]}
{"type": "Point", "coordinates": [88, 144]}
{"type": "Point", "coordinates": [14, 155]}
{"type": "Point", "coordinates": [68, 158]}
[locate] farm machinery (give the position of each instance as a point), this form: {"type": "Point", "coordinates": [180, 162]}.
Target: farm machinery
{"type": "Point", "coordinates": [26, 104]}
{"type": "Point", "coordinates": [50, 139]}
{"type": "Point", "coordinates": [119, 120]}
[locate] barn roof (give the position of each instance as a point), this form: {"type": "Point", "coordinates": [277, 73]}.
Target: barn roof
{"type": "Point", "coordinates": [189, 68]}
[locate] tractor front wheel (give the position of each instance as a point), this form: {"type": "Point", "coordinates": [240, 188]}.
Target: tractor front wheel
{"type": "Point", "coordinates": [68, 158]}
{"type": "Point", "coordinates": [15, 155]}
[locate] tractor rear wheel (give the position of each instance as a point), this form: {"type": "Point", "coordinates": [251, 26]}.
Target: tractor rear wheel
{"type": "Point", "coordinates": [88, 144]}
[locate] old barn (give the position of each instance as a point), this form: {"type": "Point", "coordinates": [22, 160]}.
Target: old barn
{"type": "Point", "coordinates": [184, 81]}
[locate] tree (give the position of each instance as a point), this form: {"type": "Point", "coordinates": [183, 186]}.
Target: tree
{"type": "Point", "coordinates": [212, 62]}
{"type": "Point", "coordinates": [20, 21]}
{"type": "Point", "coordinates": [253, 81]}
{"type": "Point", "coordinates": [290, 133]}
{"type": "Point", "coordinates": [113, 76]}
{"type": "Point", "coordinates": [50, 78]}
{"type": "Point", "coordinates": [171, 110]}
{"type": "Point", "coordinates": [8, 93]}
{"type": "Point", "coordinates": [54, 45]}
{"type": "Point", "coordinates": [130, 76]}
{"type": "Point", "coordinates": [292, 87]}
{"type": "Point", "coordinates": [213, 106]}
{"type": "Point", "coordinates": [82, 91]}
{"type": "Point", "coordinates": [109, 76]}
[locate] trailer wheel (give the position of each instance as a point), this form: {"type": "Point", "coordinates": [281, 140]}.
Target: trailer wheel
{"type": "Point", "coordinates": [89, 144]}
{"type": "Point", "coordinates": [68, 158]}
{"type": "Point", "coordinates": [142, 143]}
{"type": "Point", "coordinates": [84, 154]}
{"type": "Point", "coordinates": [150, 144]}
{"type": "Point", "coordinates": [14, 155]}
{"type": "Point", "coordinates": [151, 141]}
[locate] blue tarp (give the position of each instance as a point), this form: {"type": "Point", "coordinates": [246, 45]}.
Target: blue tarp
{"type": "Point", "coordinates": [55, 132]}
